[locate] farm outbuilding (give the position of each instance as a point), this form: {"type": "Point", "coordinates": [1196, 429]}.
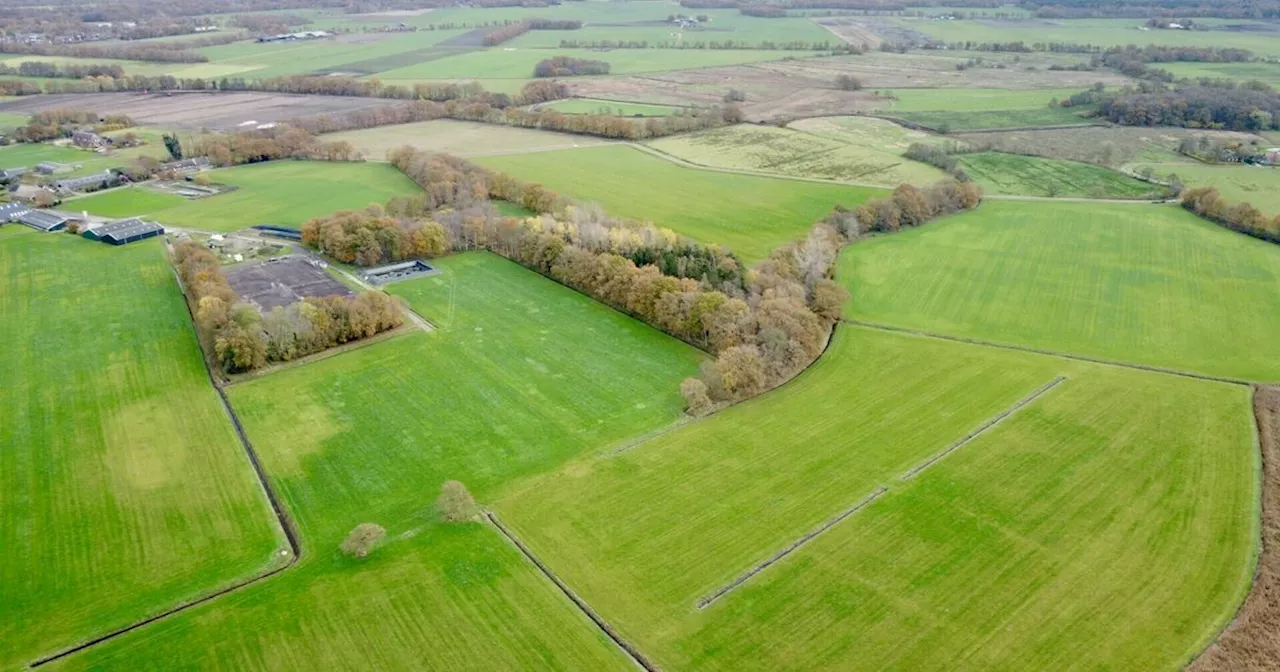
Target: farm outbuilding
{"type": "Point", "coordinates": [279, 231]}
{"type": "Point", "coordinates": [46, 220]}
{"type": "Point", "coordinates": [10, 212]}
{"type": "Point", "coordinates": [124, 231]}
{"type": "Point", "coordinates": [87, 183]}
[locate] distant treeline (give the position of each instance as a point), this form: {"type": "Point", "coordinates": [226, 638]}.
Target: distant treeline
{"type": "Point", "coordinates": [241, 338]}
{"type": "Point", "coordinates": [1091, 9]}
{"type": "Point", "coordinates": [280, 142]}
{"type": "Point", "coordinates": [1242, 217]}
{"type": "Point", "coordinates": [1210, 104]}
{"type": "Point", "coordinates": [156, 52]}
{"type": "Point", "coordinates": [512, 31]}
{"type": "Point", "coordinates": [766, 45]}
{"type": "Point", "coordinates": [62, 123]}
{"type": "Point", "coordinates": [1132, 60]}
{"type": "Point", "coordinates": [568, 66]}
{"type": "Point", "coordinates": [68, 70]}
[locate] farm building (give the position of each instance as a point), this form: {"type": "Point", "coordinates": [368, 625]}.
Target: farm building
{"type": "Point", "coordinates": [394, 272]}
{"type": "Point", "coordinates": [187, 165]}
{"type": "Point", "coordinates": [87, 183]}
{"type": "Point", "coordinates": [88, 140]}
{"type": "Point", "coordinates": [124, 231]}
{"type": "Point", "coordinates": [50, 167]}
{"type": "Point", "coordinates": [10, 212]}
{"type": "Point", "coordinates": [46, 220]}
{"type": "Point", "coordinates": [279, 231]}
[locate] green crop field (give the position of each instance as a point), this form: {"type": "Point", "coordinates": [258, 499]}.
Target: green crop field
{"type": "Point", "coordinates": [522, 375]}
{"type": "Point", "coordinates": [460, 138]}
{"type": "Point", "coordinates": [124, 202]}
{"type": "Point", "coordinates": [974, 100]}
{"type": "Point", "coordinates": [852, 149]}
{"type": "Point", "coordinates": [593, 106]}
{"type": "Point", "coordinates": [123, 489]}
{"type": "Point", "coordinates": [519, 64]}
{"type": "Point", "coordinates": [979, 120]}
{"type": "Point", "coordinates": [1101, 32]}
{"type": "Point", "coordinates": [285, 193]}
{"type": "Point", "coordinates": [1142, 485]}
{"type": "Point", "coordinates": [748, 214]}
{"type": "Point", "coordinates": [1242, 72]}
{"type": "Point", "coordinates": [1259, 185]}
{"type": "Point", "coordinates": [1138, 283]}
{"type": "Point", "coordinates": [1001, 173]}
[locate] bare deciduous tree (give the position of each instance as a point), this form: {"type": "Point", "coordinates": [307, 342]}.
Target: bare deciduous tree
{"type": "Point", "coordinates": [363, 539]}
{"type": "Point", "coordinates": [456, 504]}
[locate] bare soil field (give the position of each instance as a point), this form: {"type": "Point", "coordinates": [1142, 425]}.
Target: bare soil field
{"type": "Point", "coordinates": [1252, 640]}
{"type": "Point", "coordinates": [801, 88]}
{"type": "Point", "coordinates": [223, 111]}
{"type": "Point", "coordinates": [280, 283]}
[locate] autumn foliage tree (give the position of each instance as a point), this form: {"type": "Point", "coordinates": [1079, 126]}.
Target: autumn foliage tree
{"type": "Point", "coordinates": [363, 539]}
{"type": "Point", "coordinates": [456, 504]}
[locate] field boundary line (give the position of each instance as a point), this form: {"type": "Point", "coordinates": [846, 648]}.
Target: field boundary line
{"type": "Point", "coordinates": [282, 517]}
{"type": "Point", "coordinates": [635, 655]}
{"type": "Point", "coordinates": [1050, 353]}
{"type": "Point", "coordinates": [704, 602]}
{"type": "Point", "coordinates": [1001, 417]}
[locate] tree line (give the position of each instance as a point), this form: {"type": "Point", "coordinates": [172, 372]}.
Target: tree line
{"type": "Point", "coordinates": [68, 70]}
{"type": "Point", "coordinates": [1210, 104]}
{"type": "Point", "coordinates": [765, 45]}
{"type": "Point", "coordinates": [155, 52]}
{"type": "Point", "coordinates": [241, 338]}
{"type": "Point", "coordinates": [279, 142]}
{"type": "Point", "coordinates": [63, 122]}
{"type": "Point", "coordinates": [512, 31]}
{"type": "Point", "coordinates": [1241, 217]}
{"type": "Point", "coordinates": [568, 66]}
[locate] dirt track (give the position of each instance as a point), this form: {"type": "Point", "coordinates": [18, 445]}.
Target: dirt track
{"type": "Point", "coordinates": [195, 110]}
{"type": "Point", "coordinates": [1252, 641]}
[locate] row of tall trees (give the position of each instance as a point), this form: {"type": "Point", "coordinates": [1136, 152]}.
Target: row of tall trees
{"type": "Point", "coordinates": [908, 206]}
{"type": "Point", "coordinates": [280, 142]}
{"type": "Point", "coordinates": [241, 338]}
{"type": "Point", "coordinates": [155, 52]}
{"type": "Point", "coordinates": [511, 31]}
{"type": "Point", "coordinates": [66, 70]}
{"type": "Point", "coordinates": [568, 66]}
{"type": "Point", "coordinates": [1242, 217]}
{"type": "Point", "coordinates": [1253, 106]}
{"type": "Point", "coordinates": [62, 122]}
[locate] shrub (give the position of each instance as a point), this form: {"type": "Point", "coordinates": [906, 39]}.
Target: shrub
{"type": "Point", "coordinates": [456, 504]}
{"type": "Point", "coordinates": [363, 539]}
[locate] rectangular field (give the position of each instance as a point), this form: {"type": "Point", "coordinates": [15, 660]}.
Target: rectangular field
{"type": "Point", "coordinates": [748, 214]}
{"type": "Point", "coordinates": [855, 149]}
{"type": "Point", "coordinates": [1142, 485]}
{"type": "Point", "coordinates": [522, 375]}
{"type": "Point", "coordinates": [1001, 173]}
{"type": "Point", "coordinates": [1146, 284]}
{"type": "Point", "coordinates": [285, 193]}
{"type": "Point", "coordinates": [1238, 183]}
{"type": "Point", "coordinates": [123, 489]}
{"type": "Point", "coordinates": [459, 138]}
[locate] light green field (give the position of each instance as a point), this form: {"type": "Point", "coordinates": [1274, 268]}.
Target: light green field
{"type": "Point", "coordinates": [460, 138]}
{"type": "Point", "coordinates": [974, 100]}
{"type": "Point", "coordinates": [1001, 173]}
{"type": "Point", "coordinates": [724, 26]}
{"type": "Point", "coordinates": [285, 193]}
{"type": "Point", "coordinates": [124, 202]}
{"type": "Point", "coordinates": [1238, 183]}
{"type": "Point", "coordinates": [123, 489]}
{"type": "Point", "coordinates": [750, 215]}
{"type": "Point", "coordinates": [522, 375]}
{"type": "Point", "coordinates": [501, 64]}
{"type": "Point", "coordinates": [1141, 486]}
{"type": "Point", "coordinates": [593, 106]}
{"type": "Point", "coordinates": [1138, 283]}
{"type": "Point", "coordinates": [29, 154]}
{"type": "Point", "coordinates": [1241, 72]}
{"type": "Point", "coordinates": [1101, 32]}
{"type": "Point", "coordinates": [853, 149]}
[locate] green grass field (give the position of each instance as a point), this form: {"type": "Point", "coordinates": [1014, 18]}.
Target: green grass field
{"type": "Point", "coordinates": [593, 106]}
{"type": "Point", "coordinates": [853, 149]}
{"type": "Point", "coordinates": [946, 121]}
{"type": "Point", "coordinates": [1238, 183]}
{"type": "Point", "coordinates": [519, 64]}
{"type": "Point", "coordinates": [522, 375]}
{"type": "Point", "coordinates": [748, 214]}
{"type": "Point", "coordinates": [460, 138]}
{"type": "Point", "coordinates": [29, 154]}
{"type": "Point", "coordinates": [949, 110]}
{"type": "Point", "coordinates": [1142, 486]}
{"type": "Point", "coordinates": [123, 489]}
{"type": "Point", "coordinates": [1241, 72]}
{"type": "Point", "coordinates": [1001, 173]}
{"type": "Point", "coordinates": [1137, 283]}
{"type": "Point", "coordinates": [285, 193]}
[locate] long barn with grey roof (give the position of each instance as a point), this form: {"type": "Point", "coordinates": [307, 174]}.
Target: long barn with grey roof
{"type": "Point", "coordinates": [10, 212]}
{"type": "Point", "coordinates": [124, 231]}
{"type": "Point", "coordinates": [46, 220]}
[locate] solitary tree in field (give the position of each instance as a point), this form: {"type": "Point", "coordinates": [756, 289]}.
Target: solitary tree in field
{"type": "Point", "coordinates": [695, 396]}
{"type": "Point", "coordinates": [171, 143]}
{"type": "Point", "coordinates": [456, 504]}
{"type": "Point", "coordinates": [363, 539]}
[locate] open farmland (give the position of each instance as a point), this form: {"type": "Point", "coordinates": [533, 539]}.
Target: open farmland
{"type": "Point", "coordinates": [1112, 146]}
{"type": "Point", "coordinates": [1138, 283]}
{"type": "Point", "coordinates": [459, 138]}
{"type": "Point", "coordinates": [83, 162]}
{"type": "Point", "coordinates": [1238, 183]}
{"type": "Point", "coordinates": [522, 375]}
{"type": "Point", "coordinates": [284, 193]}
{"type": "Point", "coordinates": [595, 106]}
{"type": "Point", "coordinates": [852, 149]}
{"type": "Point", "coordinates": [1241, 72]}
{"type": "Point", "coordinates": [123, 489]}
{"type": "Point", "coordinates": [1144, 485]}
{"type": "Point", "coordinates": [1001, 173]}
{"type": "Point", "coordinates": [750, 215]}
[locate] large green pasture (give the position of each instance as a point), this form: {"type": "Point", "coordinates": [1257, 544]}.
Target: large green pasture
{"type": "Point", "coordinates": [853, 149]}
{"type": "Point", "coordinates": [1142, 487]}
{"type": "Point", "coordinates": [522, 375]}
{"type": "Point", "coordinates": [1238, 183]}
{"type": "Point", "coordinates": [498, 63]}
{"type": "Point", "coordinates": [980, 109]}
{"type": "Point", "coordinates": [82, 162]}
{"type": "Point", "coordinates": [1101, 32]}
{"type": "Point", "coordinates": [1241, 72]}
{"type": "Point", "coordinates": [622, 109]}
{"type": "Point", "coordinates": [459, 138]}
{"type": "Point", "coordinates": [1001, 173]}
{"type": "Point", "coordinates": [285, 193]}
{"type": "Point", "coordinates": [748, 214]}
{"type": "Point", "coordinates": [1147, 284]}
{"type": "Point", "coordinates": [123, 489]}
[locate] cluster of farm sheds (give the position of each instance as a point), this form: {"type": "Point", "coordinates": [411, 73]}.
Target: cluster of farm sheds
{"type": "Point", "coordinates": [118, 232]}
